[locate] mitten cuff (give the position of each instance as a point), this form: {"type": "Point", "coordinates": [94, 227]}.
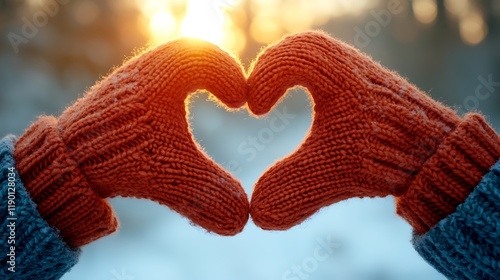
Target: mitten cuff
{"type": "Point", "coordinates": [464, 245]}
{"type": "Point", "coordinates": [63, 196]}
{"type": "Point", "coordinates": [31, 249]}
{"type": "Point", "coordinates": [450, 175]}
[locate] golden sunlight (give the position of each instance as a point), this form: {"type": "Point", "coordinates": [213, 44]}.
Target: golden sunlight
{"type": "Point", "coordinates": [162, 26]}
{"type": "Point", "coordinates": [229, 23]}
{"type": "Point", "coordinates": [203, 20]}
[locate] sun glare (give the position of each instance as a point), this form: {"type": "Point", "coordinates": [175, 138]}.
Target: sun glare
{"type": "Point", "coordinates": [229, 23]}
{"type": "Point", "coordinates": [221, 21]}
{"type": "Point", "coordinates": [163, 26]}
{"type": "Point", "coordinates": [211, 20]}
{"type": "Point", "coordinates": [203, 20]}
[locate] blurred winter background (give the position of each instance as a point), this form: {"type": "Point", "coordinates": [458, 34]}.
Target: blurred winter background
{"type": "Point", "coordinates": [52, 51]}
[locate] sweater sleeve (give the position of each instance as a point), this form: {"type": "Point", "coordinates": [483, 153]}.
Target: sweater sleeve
{"type": "Point", "coordinates": [466, 244]}
{"type": "Point", "coordinates": [30, 249]}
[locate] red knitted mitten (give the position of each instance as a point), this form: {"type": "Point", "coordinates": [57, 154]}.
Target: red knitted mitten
{"type": "Point", "coordinates": [373, 134]}
{"type": "Point", "coordinates": [128, 136]}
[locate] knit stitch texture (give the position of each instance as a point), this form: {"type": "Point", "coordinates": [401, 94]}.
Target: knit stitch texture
{"type": "Point", "coordinates": [128, 136]}
{"type": "Point", "coordinates": [373, 134]}
{"type": "Point", "coordinates": [466, 245]}
{"type": "Point", "coordinates": [40, 252]}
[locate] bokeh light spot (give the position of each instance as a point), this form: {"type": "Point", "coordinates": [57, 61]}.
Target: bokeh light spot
{"type": "Point", "coordinates": [473, 29]}
{"type": "Point", "coordinates": [425, 10]}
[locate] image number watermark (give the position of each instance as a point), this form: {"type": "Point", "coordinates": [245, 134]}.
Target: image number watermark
{"type": "Point", "coordinates": [11, 219]}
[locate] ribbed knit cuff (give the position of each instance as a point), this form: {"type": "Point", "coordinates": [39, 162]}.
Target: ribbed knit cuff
{"type": "Point", "coordinates": [466, 244]}
{"type": "Point", "coordinates": [30, 249]}
{"type": "Point", "coordinates": [62, 194]}
{"type": "Point", "coordinates": [450, 175]}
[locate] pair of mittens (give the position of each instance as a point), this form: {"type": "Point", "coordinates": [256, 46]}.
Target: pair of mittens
{"type": "Point", "coordinates": [373, 134]}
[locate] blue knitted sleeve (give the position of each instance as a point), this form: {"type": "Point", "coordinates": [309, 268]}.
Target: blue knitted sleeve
{"type": "Point", "coordinates": [466, 244]}
{"type": "Point", "coordinates": [30, 248]}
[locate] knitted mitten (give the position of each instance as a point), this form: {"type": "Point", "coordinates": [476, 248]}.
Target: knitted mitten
{"type": "Point", "coordinates": [128, 136]}
{"type": "Point", "coordinates": [373, 134]}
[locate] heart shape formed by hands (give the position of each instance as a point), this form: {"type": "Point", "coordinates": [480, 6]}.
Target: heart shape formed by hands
{"type": "Point", "coordinates": [373, 134]}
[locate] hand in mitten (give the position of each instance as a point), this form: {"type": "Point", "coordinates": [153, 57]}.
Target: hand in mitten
{"type": "Point", "coordinates": [128, 136]}
{"type": "Point", "coordinates": [373, 134]}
